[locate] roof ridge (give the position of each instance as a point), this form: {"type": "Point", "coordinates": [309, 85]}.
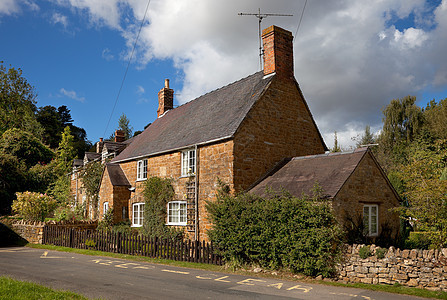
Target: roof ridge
{"type": "Point", "coordinates": [362, 149]}
{"type": "Point", "coordinates": [215, 90]}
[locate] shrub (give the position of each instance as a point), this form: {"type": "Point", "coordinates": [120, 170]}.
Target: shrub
{"type": "Point", "coordinates": [34, 206]}
{"type": "Point", "coordinates": [107, 222]}
{"type": "Point", "coordinates": [278, 231]}
{"type": "Point", "coordinates": [66, 212]}
{"type": "Point", "coordinates": [380, 252]}
{"type": "Point", "coordinates": [418, 240]}
{"type": "Point", "coordinates": [365, 252]}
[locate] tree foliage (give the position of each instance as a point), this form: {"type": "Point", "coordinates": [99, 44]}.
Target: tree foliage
{"type": "Point", "coordinates": [26, 147]}
{"type": "Point", "coordinates": [13, 178]}
{"type": "Point", "coordinates": [413, 149]}
{"type": "Point", "coordinates": [367, 138]}
{"type": "Point", "coordinates": [276, 232]}
{"type": "Point", "coordinates": [336, 147]}
{"type": "Point", "coordinates": [17, 102]}
{"type": "Point", "coordinates": [124, 125]}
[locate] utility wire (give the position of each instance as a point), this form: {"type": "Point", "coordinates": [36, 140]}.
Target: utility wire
{"type": "Point", "coordinates": [299, 24]}
{"type": "Point", "coordinates": [127, 68]}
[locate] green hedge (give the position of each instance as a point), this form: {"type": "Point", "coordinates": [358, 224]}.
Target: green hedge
{"type": "Point", "coordinates": [276, 232]}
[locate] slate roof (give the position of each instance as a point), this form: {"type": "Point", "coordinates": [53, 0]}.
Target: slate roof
{"type": "Point", "coordinates": [211, 117]}
{"type": "Point", "coordinates": [114, 146]}
{"type": "Point", "coordinates": [298, 175]}
{"type": "Point", "coordinates": [78, 162]}
{"type": "Point", "coordinates": [92, 156]}
{"type": "Point", "coordinates": [116, 175]}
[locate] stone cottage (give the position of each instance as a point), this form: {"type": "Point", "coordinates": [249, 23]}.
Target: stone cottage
{"type": "Point", "coordinates": [361, 195]}
{"type": "Point", "coordinates": [236, 133]}
{"type": "Point", "coordinates": [105, 150]}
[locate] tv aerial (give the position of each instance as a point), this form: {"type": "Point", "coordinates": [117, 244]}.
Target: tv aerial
{"type": "Point", "coordinates": [260, 17]}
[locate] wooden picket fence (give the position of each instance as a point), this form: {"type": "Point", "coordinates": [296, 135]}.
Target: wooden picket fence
{"type": "Point", "coordinates": [132, 244]}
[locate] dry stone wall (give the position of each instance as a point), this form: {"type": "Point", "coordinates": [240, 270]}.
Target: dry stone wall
{"type": "Point", "coordinates": [414, 268]}
{"type": "Point", "coordinates": [33, 231]}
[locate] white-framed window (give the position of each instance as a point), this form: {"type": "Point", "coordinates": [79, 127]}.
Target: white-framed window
{"type": "Point", "coordinates": [371, 219]}
{"type": "Point", "coordinates": [188, 162]}
{"type": "Point", "coordinates": [177, 213]}
{"type": "Point", "coordinates": [142, 169]}
{"type": "Point", "coordinates": [137, 214]}
{"type": "Point", "coordinates": [105, 207]}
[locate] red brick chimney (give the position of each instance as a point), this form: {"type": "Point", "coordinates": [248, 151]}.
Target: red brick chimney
{"type": "Point", "coordinates": [165, 99]}
{"type": "Point", "coordinates": [278, 52]}
{"type": "Point", "coordinates": [99, 145]}
{"type": "Point", "coordinates": [119, 136]}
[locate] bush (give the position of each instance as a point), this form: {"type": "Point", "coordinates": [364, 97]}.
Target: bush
{"type": "Point", "coordinates": [34, 206]}
{"type": "Point", "coordinates": [107, 222]}
{"type": "Point", "coordinates": [418, 240]}
{"type": "Point", "coordinates": [67, 213]}
{"type": "Point", "coordinates": [365, 252]}
{"type": "Point", "coordinates": [275, 232]}
{"type": "Point", "coordinates": [380, 252]}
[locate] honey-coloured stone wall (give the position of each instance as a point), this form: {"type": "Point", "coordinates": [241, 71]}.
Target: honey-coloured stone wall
{"type": "Point", "coordinates": [278, 126]}
{"type": "Point", "coordinates": [368, 185]}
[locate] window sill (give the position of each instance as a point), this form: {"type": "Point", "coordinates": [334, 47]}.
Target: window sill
{"type": "Point", "coordinates": [175, 224]}
{"type": "Point", "coordinates": [134, 225]}
{"type": "Point", "coordinates": [141, 179]}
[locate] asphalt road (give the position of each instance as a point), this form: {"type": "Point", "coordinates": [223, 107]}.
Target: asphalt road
{"type": "Point", "coordinates": [110, 278]}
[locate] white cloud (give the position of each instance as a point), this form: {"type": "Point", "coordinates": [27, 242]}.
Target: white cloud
{"type": "Point", "coordinates": [349, 60]}
{"type": "Point", "coordinates": [9, 7]}
{"type": "Point", "coordinates": [58, 18]}
{"type": "Point", "coordinates": [140, 90]}
{"type": "Point", "coordinates": [107, 54]}
{"type": "Point", "coordinates": [71, 94]}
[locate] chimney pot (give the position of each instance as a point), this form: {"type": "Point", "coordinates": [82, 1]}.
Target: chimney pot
{"type": "Point", "coordinates": [166, 83]}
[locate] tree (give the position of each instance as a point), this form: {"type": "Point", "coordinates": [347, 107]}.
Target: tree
{"type": "Point", "coordinates": [402, 121]}
{"type": "Point", "coordinates": [425, 190]}
{"type": "Point", "coordinates": [54, 120]}
{"type": "Point", "coordinates": [25, 146]}
{"type": "Point", "coordinates": [435, 116]}
{"type": "Point", "coordinates": [17, 102]}
{"type": "Point", "coordinates": [123, 124]}
{"type": "Point", "coordinates": [65, 153]}
{"type": "Point", "coordinates": [13, 179]}
{"type": "Point", "coordinates": [367, 138]}
{"type": "Point", "coordinates": [336, 147]}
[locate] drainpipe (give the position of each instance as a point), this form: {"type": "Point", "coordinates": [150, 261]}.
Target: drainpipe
{"type": "Point", "coordinates": [196, 196]}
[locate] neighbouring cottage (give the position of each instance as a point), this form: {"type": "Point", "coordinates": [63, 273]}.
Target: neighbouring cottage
{"type": "Point", "coordinates": [236, 133]}
{"type": "Point", "coordinates": [361, 195]}
{"type": "Point", "coordinates": [105, 150]}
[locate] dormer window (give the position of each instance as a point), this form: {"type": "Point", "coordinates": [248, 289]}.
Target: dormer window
{"type": "Point", "coordinates": [188, 162]}
{"type": "Point", "coordinates": [142, 169]}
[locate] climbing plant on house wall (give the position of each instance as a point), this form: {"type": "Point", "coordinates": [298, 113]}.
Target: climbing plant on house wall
{"type": "Point", "coordinates": [157, 193]}
{"type": "Point", "coordinates": [91, 179]}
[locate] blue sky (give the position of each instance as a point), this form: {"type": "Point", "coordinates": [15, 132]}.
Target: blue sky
{"type": "Point", "coordinates": [351, 57]}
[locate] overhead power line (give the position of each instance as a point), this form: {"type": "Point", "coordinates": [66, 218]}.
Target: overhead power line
{"type": "Point", "coordinates": [127, 68]}
{"type": "Point", "coordinates": [299, 23]}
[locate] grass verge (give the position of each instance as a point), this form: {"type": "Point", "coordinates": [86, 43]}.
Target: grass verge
{"type": "Point", "coordinates": [11, 289]}
{"type": "Point", "coordinates": [396, 289]}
